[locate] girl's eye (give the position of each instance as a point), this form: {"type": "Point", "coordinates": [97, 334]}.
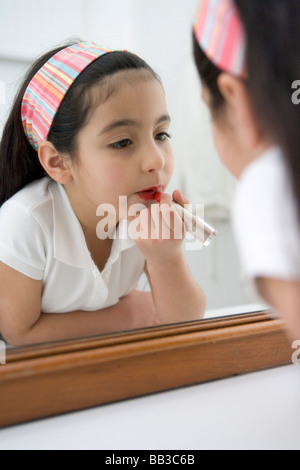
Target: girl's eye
{"type": "Point", "coordinates": [122, 144]}
{"type": "Point", "coordinates": [163, 137]}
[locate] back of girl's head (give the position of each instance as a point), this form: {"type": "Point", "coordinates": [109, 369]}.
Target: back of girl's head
{"type": "Point", "coordinates": [273, 60]}
{"type": "Point", "coordinates": [273, 64]}
{"type": "Point", "coordinates": [209, 74]}
{"type": "Point", "coordinates": [19, 162]}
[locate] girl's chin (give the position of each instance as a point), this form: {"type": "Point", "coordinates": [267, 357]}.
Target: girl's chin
{"type": "Point", "coordinates": [134, 209]}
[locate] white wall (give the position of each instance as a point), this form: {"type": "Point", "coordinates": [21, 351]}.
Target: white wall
{"type": "Point", "coordinates": [160, 32]}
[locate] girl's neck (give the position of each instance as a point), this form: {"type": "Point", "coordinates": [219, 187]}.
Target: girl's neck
{"type": "Point", "coordinates": [254, 155]}
{"type": "Point", "coordinates": [86, 213]}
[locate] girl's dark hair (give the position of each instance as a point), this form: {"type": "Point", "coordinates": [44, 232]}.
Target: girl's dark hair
{"type": "Point", "coordinates": [19, 163]}
{"type": "Point", "coordinates": [209, 73]}
{"type": "Point", "coordinates": [273, 62]}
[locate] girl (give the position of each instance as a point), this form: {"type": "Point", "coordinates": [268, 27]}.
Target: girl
{"type": "Point", "coordinates": [248, 57]}
{"type": "Point", "coordinates": [88, 125]}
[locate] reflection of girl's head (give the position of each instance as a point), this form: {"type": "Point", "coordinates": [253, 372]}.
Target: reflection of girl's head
{"type": "Point", "coordinates": [219, 45]}
{"type": "Point", "coordinates": [271, 33]}
{"type": "Point", "coordinates": [219, 51]}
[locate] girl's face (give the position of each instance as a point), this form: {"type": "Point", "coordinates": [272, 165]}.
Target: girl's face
{"type": "Point", "coordinates": [238, 133]}
{"type": "Point", "coordinates": [125, 147]}
{"type": "Point", "coordinates": [224, 136]}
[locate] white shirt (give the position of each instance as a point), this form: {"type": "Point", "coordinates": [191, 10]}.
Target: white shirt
{"type": "Point", "coordinates": [41, 237]}
{"type": "Point", "coordinates": [265, 219]}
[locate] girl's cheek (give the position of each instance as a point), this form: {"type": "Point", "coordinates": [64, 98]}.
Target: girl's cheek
{"type": "Point", "coordinates": [170, 165]}
{"type": "Point", "coordinates": [114, 174]}
{"type": "Point", "coordinates": [219, 142]}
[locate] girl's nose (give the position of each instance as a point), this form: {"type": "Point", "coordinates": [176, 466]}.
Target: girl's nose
{"type": "Point", "coordinates": [153, 161]}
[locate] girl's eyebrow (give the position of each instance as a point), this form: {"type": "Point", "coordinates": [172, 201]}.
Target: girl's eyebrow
{"type": "Point", "coordinates": [131, 123]}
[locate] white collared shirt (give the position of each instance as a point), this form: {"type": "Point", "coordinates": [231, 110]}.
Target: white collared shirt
{"type": "Point", "coordinates": [265, 219]}
{"type": "Point", "coordinates": [41, 237]}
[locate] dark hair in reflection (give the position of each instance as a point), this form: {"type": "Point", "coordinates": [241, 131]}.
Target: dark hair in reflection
{"type": "Point", "coordinates": [273, 62]}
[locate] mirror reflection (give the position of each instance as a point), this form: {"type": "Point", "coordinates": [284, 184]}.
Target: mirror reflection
{"type": "Point", "coordinates": [88, 231]}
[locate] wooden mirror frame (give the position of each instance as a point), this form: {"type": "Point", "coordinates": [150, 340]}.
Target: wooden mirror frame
{"type": "Point", "coordinates": [49, 380]}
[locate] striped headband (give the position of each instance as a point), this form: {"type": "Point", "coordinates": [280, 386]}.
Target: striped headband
{"type": "Point", "coordinates": [49, 86]}
{"type": "Point", "coordinates": [220, 34]}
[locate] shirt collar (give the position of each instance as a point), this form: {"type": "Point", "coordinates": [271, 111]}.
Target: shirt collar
{"type": "Point", "coordinates": [273, 151]}
{"type": "Point", "coordinates": [68, 238]}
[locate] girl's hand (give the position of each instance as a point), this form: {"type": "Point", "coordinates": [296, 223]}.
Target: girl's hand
{"type": "Point", "coordinates": [179, 198]}
{"type": "Point", "coordinates": [140, 310]}
{"type": "Point", "coordinates": [159, 231]}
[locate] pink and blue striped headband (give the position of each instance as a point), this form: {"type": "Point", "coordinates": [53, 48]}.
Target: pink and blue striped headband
{"type": "Point", "coordinates": [49, 86]}
{"type": "Point", "coordinates": [220, 34]}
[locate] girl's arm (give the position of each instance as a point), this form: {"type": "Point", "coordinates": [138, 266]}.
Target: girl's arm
{"type": "Point", "coordinates": [284, 296]}
{"type": "Point", "coordinates": [177, 296]}
{"type": "Point", "coordinates": [21, 321]}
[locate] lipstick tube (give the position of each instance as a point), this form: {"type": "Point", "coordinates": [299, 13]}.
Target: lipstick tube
{"type": "Point", "coordinates": [196, 226]}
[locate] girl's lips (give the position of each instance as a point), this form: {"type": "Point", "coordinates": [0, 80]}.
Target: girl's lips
{"type": "Point", "coordinates": [151, 194]}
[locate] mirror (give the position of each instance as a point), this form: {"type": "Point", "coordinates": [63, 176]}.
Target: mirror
{"type": "Point", "coordinates": [160, 32]}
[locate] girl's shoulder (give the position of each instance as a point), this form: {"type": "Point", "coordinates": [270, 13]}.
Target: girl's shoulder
{"type": "Point", "coordinates": [26, 225]}
{"type": "Point", "coordinates": [265, 184]}
{"type": "Point", "coordinates": [31, 196]}
{"type": "Point", "coordinates": [29, 210]}
{"type": "Point", "coordinates": [265, 219]}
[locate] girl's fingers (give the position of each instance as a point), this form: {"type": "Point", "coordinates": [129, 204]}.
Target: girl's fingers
{"type": "Point", "coordinates": [161, 221]}
{"type": "Point", "coordinates": [172, 224]}
{"type": "Point", "coordinates": [179, 198]}
{"type": "Point", "coordinates": [166, 199]}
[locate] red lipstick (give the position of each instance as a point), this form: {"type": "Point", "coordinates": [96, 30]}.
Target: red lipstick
{"type": "Point", "coordinates": [151, 194]}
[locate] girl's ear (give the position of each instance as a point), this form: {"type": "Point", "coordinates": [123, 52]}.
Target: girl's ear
{"type": "Point", "coordinates": [53, 163]}
{"type": "Point", "coordinates": [241, 110]}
